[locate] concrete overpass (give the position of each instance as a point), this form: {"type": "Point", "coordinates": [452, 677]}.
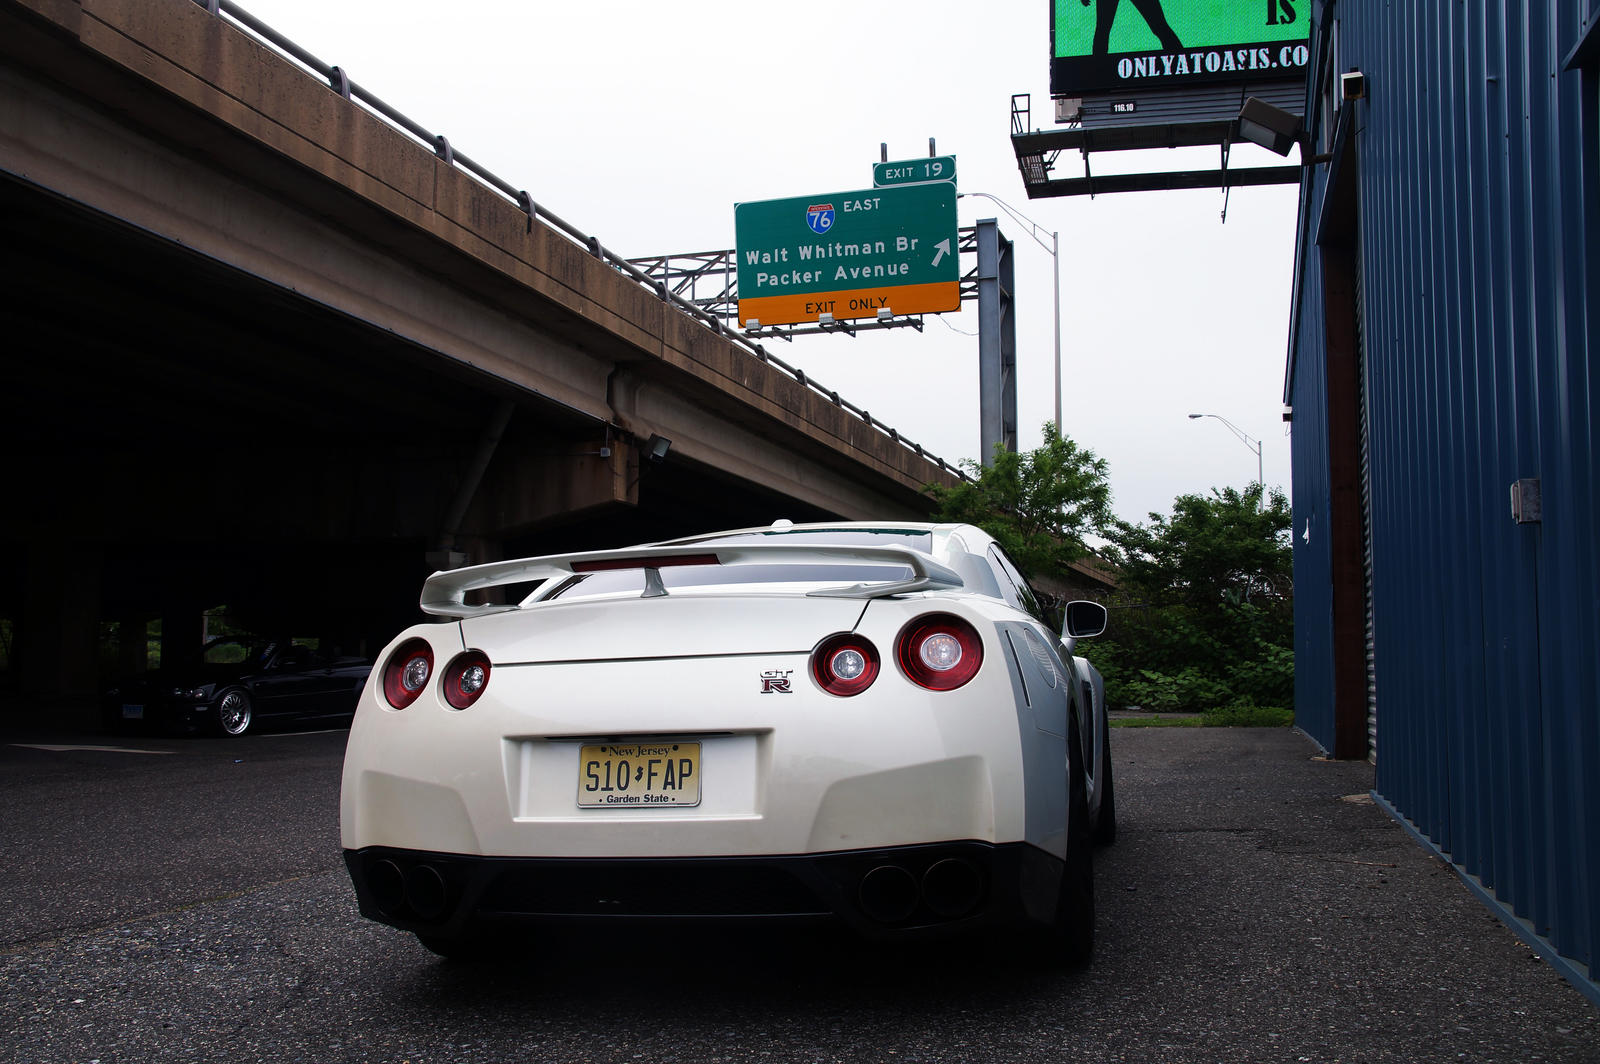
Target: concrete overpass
{"type": "Point", "coordinates": [267, 347]}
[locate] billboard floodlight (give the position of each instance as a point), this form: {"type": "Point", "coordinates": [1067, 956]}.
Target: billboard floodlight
{"type": "Point", "coordinates": [1271, 127]}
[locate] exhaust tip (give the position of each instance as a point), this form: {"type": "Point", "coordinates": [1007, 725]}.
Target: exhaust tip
{"type": "Point", "coordinates": [387, 885]}
{"type": "Point", "coordinates": [952, 887]}
{"type": "Point", "coordinates": [889, 894]}
{"type": "Point", "coordinates": [425, 892]}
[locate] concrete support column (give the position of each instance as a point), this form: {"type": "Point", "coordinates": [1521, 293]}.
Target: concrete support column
{"type": "Point", "coordinates": [526, 488]}
{"type": "Point", "coordinates": [56, 653]}
{"type": "Point", "coordinates": [183, 630]}
{"type": "Point", "coordinates": [133, 654]}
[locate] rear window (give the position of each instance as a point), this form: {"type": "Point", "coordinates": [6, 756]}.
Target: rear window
{"type": "Point", "coordinates": [822, 573]}
{"type": "Point", "coordinates": [623, 581]}
{"type": "Point", "coordinates": [916, 539]}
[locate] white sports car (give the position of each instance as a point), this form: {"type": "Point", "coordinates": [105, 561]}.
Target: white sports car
{"type": "Point", "coordinates": [850, 722]}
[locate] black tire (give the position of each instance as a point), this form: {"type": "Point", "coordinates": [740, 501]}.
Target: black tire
{"type": "Point", "coordinates": [1071, 938]}
{"type": "Point", "coordinates": [232, 712]}
{"type": "Point", "coordinates": [1105, 823]}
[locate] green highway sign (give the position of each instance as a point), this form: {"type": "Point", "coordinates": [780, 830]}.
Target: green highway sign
{"type": "Point", "coordinates": [937, 168]}
{"type": "Point", "coordinates": [848, 254]}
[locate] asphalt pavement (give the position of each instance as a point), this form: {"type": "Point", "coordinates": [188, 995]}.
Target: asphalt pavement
{"type": "Point", "coordinates": [188, 902]}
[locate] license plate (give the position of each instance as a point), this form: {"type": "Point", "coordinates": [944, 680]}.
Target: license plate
{"type": "Point", "coordinates": [132, 712]}
{"type": "Point", "coordinates": [637, 775]}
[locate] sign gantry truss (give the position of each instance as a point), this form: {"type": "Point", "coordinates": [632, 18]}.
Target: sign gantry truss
{"type": "Point", "coordinates": [710, 279]}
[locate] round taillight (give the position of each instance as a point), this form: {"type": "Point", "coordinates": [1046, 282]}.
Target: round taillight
{"type": "Point", "coordinates": [465, 678]}
{"type": "Point", "coordinates": [940, 651]}
{"type": "Point", "coordinates": [407, 672]}
{"type": "Point", "coordinates": [844, 664]}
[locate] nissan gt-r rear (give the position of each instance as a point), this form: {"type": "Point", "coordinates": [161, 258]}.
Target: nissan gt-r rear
{"type": "Point", "coordinates": [850, 723]}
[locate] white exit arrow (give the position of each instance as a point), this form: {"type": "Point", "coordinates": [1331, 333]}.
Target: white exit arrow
{"type": "Point", "coordinates": [944, 249]}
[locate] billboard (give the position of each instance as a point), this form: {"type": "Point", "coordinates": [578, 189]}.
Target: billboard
{"type": "Point", "coordinates": [848, 254]}
{"type": "Point", "coordinates": [1101, 46]}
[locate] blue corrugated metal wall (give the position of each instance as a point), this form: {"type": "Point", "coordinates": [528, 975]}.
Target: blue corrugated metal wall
{"type": "Point", "coordinates": [1478, 241]}
{"type": "Point", "coordinates": [1313, 605]}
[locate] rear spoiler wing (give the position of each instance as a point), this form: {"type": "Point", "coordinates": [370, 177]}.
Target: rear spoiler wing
{"type": "Point", "coordinates": [444, 593]}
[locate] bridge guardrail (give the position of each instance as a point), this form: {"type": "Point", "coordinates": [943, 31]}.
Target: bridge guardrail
{"type": "Point", "coordinates": [339, 80]}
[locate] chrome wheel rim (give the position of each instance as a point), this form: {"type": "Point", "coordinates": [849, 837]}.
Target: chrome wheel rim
{"type": "Point", "coordinates": [234, 712]}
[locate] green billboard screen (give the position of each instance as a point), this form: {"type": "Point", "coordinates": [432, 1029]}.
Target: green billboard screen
{"type": "Point", "coordinates": [1111, 45]}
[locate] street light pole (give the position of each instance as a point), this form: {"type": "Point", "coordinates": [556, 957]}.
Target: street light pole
{"type": "Point", "coordinates": [1054, 248]}
{"type": "Point", "coordinates": [1250, 442]}
{"type": "Point", "coordinates": [1055, 254]}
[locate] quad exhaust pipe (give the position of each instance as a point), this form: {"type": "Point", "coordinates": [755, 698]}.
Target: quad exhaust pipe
{"type": "Point", "coordinates": [950, 889]}
{"type": "Point", "coordinates": [420, 891]}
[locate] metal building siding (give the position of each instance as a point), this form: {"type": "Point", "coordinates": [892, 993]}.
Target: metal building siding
{"type": "Point", "coordinates": [1477, 201]}
{"type": "Point", "coordinates": [1313, 602]}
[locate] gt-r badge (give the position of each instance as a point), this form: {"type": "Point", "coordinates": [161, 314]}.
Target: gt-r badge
{"type": "Point", "coordinates": [776, 681]}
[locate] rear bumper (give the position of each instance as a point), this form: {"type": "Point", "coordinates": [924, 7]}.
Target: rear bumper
{"type": "Point", "coordinates": [138, 711]}
{"type": "Point", "coordinates": [904, 892]}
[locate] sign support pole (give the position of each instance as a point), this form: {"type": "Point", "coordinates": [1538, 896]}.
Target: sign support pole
{"type": "Point", "coordinates": [997, 341]}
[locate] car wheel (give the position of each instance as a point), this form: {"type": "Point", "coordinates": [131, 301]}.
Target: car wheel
{"type": "Point", "coordinates": [1072, 934]}
{"type": "Point", "coordinates": [1105, 821]}
{"type": "Point", "coordinates": [231, 714]}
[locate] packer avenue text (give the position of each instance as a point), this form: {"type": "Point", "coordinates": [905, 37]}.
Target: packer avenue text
{"type": "Point", "coordinates": [807, 266]}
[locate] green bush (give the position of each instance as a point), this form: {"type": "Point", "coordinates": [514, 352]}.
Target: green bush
{"type": "Point", "coordinates": [1169, 658]}
{"type": "Point", "coordinates": [1186, 690]}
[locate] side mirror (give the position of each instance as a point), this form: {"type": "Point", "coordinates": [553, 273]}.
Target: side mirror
{"type": "Point", "coordinates": [1084, 620]}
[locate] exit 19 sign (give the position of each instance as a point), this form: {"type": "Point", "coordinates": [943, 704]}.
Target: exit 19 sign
{"type": "Point", "coordinates": [936, 168]}
{"type": "Point", "coordinates": [848, 254]}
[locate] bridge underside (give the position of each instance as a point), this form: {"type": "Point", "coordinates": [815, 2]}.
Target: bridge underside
{"type": "Point", "coordinates": [182, 436]}
{"type": "Point", "coordinates": [266, 351]}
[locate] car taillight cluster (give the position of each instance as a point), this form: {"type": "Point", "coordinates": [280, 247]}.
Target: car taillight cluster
{"type": "Point", "coordinates": [939, 652]}
{"type": "Point", "coordinates": [410, 668]}
{"type": "Point", "coordinates": [406, 673]}
{"type": "Point", "coordinates": [465, 678]}
{"type": "Point", "coordinates": [844, 664]}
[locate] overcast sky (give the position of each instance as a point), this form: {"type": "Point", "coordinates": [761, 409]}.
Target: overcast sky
{"type": "Point", "coordinates": [644, 123]}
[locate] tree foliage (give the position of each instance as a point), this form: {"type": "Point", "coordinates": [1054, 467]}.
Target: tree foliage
{"type": "Point", "coordinates": [1211, 605]}
{"type": "Point", "coordinates": [1039, 504]}
{"type": "Point", "coordinates": [1213, 552]}
{"type": "Point", "coordinates": [1204, 610]}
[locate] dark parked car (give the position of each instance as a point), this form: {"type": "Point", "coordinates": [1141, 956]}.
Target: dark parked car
{"type": "Point", "coordinates": [241, 682]}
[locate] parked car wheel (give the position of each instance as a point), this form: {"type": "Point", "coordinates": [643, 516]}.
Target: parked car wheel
{"type": "Point", "coordinates": [232, 713]}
